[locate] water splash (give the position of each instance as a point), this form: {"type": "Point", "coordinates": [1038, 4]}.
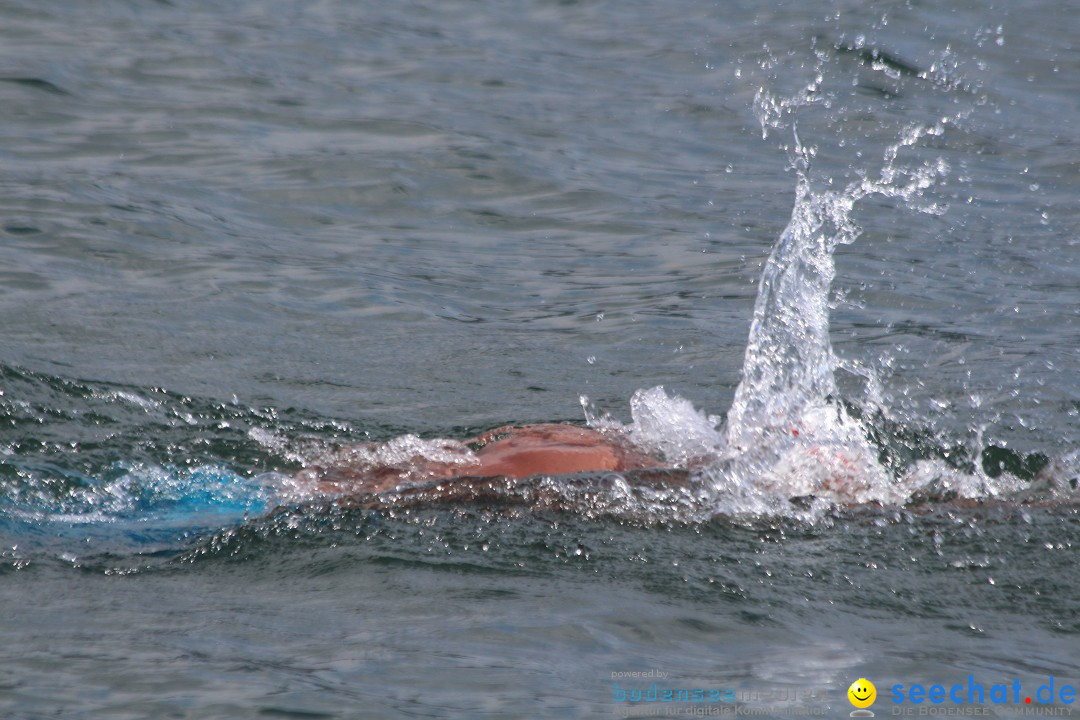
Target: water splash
{"type": "Point", "coordinates": [791, 444]}
{"type": "Point", "coordinates": [787, 434]}
{"type": "Point", "coordinates": [785, 425]}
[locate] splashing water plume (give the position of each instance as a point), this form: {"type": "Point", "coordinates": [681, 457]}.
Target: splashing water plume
{"type": "Point", "coordinates": [786, 434]}
{"type": "Point", "coordinates": [785, 422]}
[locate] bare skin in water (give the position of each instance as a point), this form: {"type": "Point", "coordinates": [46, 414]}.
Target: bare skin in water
{"type": "Point", "coordinates": [505, 465]}
{"type": "Point", "coordinates": [507, 453]}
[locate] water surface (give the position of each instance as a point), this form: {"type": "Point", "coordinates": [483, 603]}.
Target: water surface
{"type": "Point", "coordinates": [233, 237]}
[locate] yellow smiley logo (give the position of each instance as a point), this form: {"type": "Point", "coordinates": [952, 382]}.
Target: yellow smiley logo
{"type": "Point", "coordinates": [862, 693]}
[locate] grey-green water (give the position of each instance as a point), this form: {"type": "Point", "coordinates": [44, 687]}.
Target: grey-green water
{"type": "Point", "coordinates": [232, 236]}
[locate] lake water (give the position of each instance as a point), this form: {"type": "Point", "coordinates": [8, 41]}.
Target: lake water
{"type": "Point", "coordinates": [234, 237]}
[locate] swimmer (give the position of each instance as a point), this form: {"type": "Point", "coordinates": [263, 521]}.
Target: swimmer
{"type": "Point", "coordinates": [467, 470]}
{"type": "Point", "coordinates": [512, 465]}
{"type": "Point", "coordinates": [509, 464]}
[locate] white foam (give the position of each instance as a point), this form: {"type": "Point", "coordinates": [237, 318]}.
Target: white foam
{"type": "Point", "coordinates": [673, 427]}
